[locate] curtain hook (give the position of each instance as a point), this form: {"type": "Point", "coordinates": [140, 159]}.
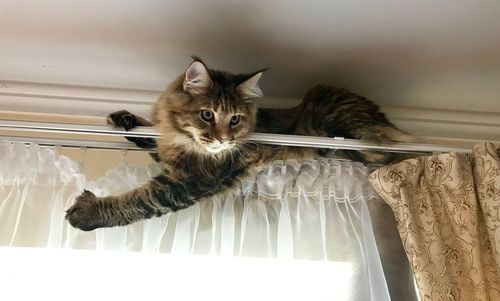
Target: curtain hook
{"type": "Point", "coordinates": [57, 149]}
{"type": "Point", "coordinates": [124, 156]}
{"type": "Point", "coordinates": [83, 150]}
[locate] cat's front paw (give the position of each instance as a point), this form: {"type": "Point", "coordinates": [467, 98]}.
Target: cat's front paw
{"type": "Point", "coordinates": [123, 119]}
{"type": "Point", "coordinates": [83, 214]}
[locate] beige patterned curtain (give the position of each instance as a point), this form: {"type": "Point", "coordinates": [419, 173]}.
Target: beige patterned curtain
{"type": "Point", "coordinates": [447, 209]}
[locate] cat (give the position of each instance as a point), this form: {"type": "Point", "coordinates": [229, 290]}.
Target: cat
{"type": "Point", "coordinates": [204, 116]}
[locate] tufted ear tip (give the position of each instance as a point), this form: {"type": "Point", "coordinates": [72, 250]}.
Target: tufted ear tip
{"type": "Point", "coordinates": [197, 78]}
{"type": "Point", "coordinates": [250, 87]}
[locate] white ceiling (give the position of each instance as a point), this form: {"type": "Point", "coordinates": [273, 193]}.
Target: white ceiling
{"type": "Point", "coordinates": [443, 54]}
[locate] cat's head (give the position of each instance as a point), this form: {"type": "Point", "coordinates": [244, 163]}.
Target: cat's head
{"type": "Point", "coordinates": [211, 111]}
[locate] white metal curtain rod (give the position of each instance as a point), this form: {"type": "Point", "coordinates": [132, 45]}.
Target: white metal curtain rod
{"type": "Point", "coordinates": [147, 132]}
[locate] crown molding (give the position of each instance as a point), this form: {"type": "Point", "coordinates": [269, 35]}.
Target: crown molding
{"type": "Point", "coordinates": [86, 104]}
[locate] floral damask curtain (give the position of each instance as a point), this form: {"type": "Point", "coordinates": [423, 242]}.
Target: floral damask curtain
{"type": "Point", "coordinates": [447, 209]}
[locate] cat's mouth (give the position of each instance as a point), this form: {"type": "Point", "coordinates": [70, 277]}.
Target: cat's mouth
{"type": "Point", "coordinates": [217, 148]}
{"type": "Point", "coordinates": [214, 146]}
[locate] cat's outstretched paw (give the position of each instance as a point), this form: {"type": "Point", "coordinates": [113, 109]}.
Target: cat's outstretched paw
{"type": "Point", "coordinates": [83, 213]}
{"type": "Point", "coordinates": [123, 119]}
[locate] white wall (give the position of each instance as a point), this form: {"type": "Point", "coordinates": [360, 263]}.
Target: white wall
{"type": "Point", "coordinates": [443, 54]}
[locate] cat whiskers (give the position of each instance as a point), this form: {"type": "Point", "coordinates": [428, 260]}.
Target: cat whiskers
{"type": "Point", "coordinates": [231, 154]}
{"type": "Point", "coordinates": [178, 157]}
{"type": "Point", "coordinates": [201, 162]}
{"type": "Point", "coordinates": [249, 148]}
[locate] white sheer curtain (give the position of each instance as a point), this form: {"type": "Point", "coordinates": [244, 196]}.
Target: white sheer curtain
{"type": "Point", "coordinates": [313, 210]}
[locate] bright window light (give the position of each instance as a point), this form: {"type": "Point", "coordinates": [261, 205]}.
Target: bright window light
{"type": "Point", "coordinates": [54, 274]}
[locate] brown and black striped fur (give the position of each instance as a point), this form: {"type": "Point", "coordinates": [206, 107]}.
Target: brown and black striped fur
{"type": "Point", "coordinates": [202, 156]}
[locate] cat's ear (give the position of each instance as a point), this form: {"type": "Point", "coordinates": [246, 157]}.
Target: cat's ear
{"type": "Point", "coordinates": [250, 87]}
{"type": "Point", "coordinates": [197, 79]}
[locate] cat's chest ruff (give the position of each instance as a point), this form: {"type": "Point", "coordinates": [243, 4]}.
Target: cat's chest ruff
{"type": "Point", "coordinates": [203, 169]}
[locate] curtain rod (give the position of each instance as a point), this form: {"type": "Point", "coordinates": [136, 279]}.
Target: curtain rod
{"type": "Point", "coordinates": [147, 132]}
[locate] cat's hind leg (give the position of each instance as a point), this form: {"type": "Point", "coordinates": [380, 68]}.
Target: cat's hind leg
{"type": "Point", "coordinates": [341, 113]}
{"type": "Point", "coordinates": [384, 133]}
{"type": "Point", "coordinates": [381, 134]}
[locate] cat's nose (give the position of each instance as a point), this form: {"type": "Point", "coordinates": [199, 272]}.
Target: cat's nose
{"type": "Point", "coordinates": [223, 138]}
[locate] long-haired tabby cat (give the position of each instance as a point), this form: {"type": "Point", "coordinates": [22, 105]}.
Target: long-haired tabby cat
{"type": "Point", "coordinates": [204, 116]}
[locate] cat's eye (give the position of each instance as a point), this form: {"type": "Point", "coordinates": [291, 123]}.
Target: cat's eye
{"type": "Point", "coordinates": [207, 115]}
{"type": "Point", "coordinates": [235, 119]}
